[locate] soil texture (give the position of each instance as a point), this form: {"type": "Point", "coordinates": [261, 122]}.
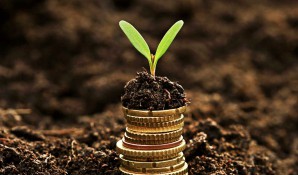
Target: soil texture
{"type": "Point", "coordinates": [63, 66]}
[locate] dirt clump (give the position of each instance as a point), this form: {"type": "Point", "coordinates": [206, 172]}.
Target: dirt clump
{"type": "Point", "coordinates": [153, 93]}
{"type": "Point", "coordinates": [214, 150]}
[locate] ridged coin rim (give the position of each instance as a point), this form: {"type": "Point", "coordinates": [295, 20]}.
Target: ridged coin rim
{"type": "Point", "coordinates": [154, 164]}
{"type": "Point", "coordinates": [149, 153]}
{"type": "Point", "coordinates": [159, 124]}
{"type": "Point", "coordinates": [151, 159]}
{"type": "Point", "coordinates": [151, 147]}
{"type": "Point", "coordinates": [150, 142]}
{"type": "Point", "coordinates": [155, 130]}
{"type": "Point", "coordinates": [139, 119]}
{"type": "Point", "coordinates": [182, 171]}
{"type": "Point", "coordinates": [163, 170]}
{"type": "Point", "coordinates": [153, 136]}
{"type": "Point", "coordinates": [154, 113]}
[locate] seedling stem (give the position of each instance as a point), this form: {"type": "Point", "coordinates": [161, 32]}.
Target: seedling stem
{"type": "Point", "coordinates": [152, 68]}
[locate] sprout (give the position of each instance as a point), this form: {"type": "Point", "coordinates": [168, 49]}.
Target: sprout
{"type": "Point", "coordinates": [140, 44]}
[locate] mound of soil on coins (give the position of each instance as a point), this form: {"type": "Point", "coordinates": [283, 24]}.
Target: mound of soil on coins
{"type": "Point", "coordinates": [153, 93]}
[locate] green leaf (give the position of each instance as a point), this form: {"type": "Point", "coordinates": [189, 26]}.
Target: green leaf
{"type": "Point", "coordinates": [167, 40]}
{"type": "Point", "coordinates": [136, 39]}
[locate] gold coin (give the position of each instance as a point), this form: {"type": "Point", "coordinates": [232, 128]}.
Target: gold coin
{"type": "Point", "coordinates": [181, 171]}
{"type": "Point", "coordinates": [148, 153]}
{"type": "Point", "coordinates": [151, 147]}
{"type": "Point", "coordinates": [150, 142]}
{"type": "Point", "coordinates": [156, 170]}
{"type": "Point", "coordinates": [153, 136]}
{"type": "Point", "coordinates": [151, 159]}
{"type": "Point", "coordinates": [155, 164]}
{"type": "Point", "coordinates": [158, 125]}
{"type": "Point", "coordinates": [156, 129]}
{"type": "Point", "coordinates": [155, 113]}
{"type": "Point", "coordinates": [138, 119]}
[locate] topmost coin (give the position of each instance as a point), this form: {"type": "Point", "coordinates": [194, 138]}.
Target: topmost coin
{"type": "Point", "coordinates": [155, 113]}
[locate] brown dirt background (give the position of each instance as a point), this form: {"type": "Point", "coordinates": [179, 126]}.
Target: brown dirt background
{"type": "Point", "coordinates": [68, 62]}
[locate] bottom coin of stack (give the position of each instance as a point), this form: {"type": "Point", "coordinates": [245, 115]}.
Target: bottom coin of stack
{"type": "Point", "coordinates": [153, 143]}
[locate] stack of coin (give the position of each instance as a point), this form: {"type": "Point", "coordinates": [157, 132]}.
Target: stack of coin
{"type": "Point", "coordinates": [153, 142]}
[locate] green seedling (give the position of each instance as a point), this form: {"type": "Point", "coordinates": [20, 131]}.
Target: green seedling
{"type": "Point", "coordinates": [140, 44]}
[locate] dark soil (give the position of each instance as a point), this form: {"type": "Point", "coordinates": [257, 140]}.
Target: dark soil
{"type": "Point", "coordinates": [68, 61]}
{"type": "Point", "coordinates": [90, 148]}
{"type": "Point", "coordinates": [153, 93]}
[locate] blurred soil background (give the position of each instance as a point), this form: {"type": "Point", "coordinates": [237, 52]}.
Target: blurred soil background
{"type": "Point", "coordinates": [63, 66]}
